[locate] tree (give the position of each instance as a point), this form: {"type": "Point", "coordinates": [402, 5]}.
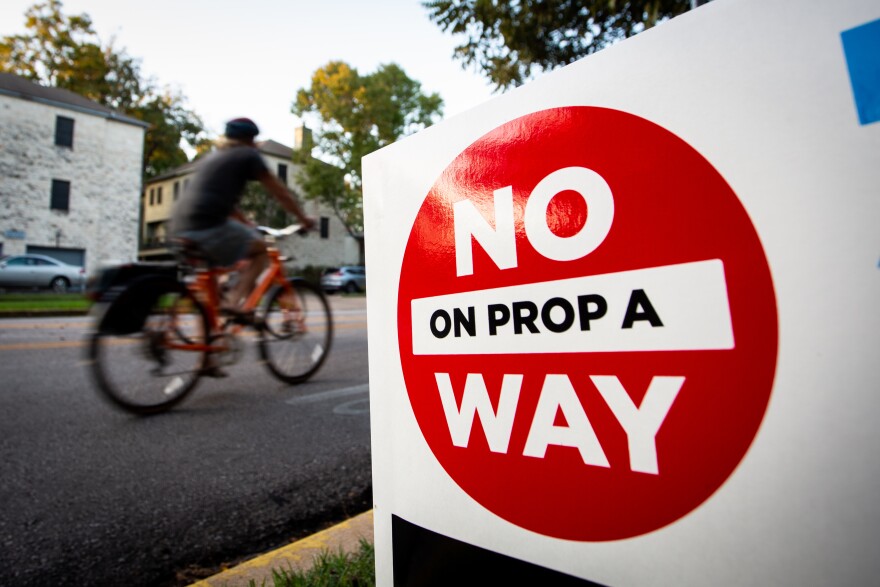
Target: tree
{"type": "Point", "coordinates": [60, 51]}
{"type": "Point", "coordinates": [169, 122]}
{"type": "Point", "coordinates": [510, 41]}
{"type": "Point", "coordinates": [353, 115]}
{"type": "Point", "coordinates": [261, 207]}
{"type": "Point", "coordinates": [65, 52]}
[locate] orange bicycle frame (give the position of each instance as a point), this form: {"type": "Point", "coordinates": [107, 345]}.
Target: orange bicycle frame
{"type": "Point", "coordinates": [206, 290]}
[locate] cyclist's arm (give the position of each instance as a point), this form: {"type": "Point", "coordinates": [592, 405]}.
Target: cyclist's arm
{"type": "Point", "coordinates": [280, 192]}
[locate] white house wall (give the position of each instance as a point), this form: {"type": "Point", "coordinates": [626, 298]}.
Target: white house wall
{"type": "Point", "coordinates": [103, 168]}
{"type": "Point", "coordinates": [338, 248]}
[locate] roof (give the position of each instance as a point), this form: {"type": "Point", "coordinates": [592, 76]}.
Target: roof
{"type": "Point", "coordinates": [19, 87]}
{"type": "Point", "coordinates": [268, 147]}
{"type": "Point", "coordinates": [271, 147]}
{"type": "Point", "coordinates": [176, 172]}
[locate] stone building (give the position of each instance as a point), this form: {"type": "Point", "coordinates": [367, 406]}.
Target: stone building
{"type": "Point", "coordinates": [328, 245]}
{"type": "Point", "coordinates": [70, 175]}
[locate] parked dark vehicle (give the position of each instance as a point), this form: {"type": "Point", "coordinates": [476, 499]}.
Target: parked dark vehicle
{"type": "Point", "coordinates": [39, 271]}
{"type": "Point", "coordinates": [349, 278]}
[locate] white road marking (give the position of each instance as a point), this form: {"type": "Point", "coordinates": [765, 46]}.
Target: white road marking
{"type": "Point", "coordinates": [332, 394]}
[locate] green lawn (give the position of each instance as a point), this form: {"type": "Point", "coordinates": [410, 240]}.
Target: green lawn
{"type": "Point", "coordinates": [356, 569]}
{"type": "Point", "coordinates": [11, 303]}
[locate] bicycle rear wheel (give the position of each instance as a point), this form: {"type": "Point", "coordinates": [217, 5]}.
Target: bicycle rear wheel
{"type": "Point", "coordinates": [148, 367]}
{"type": "Point", "coordinates": [297, 332]}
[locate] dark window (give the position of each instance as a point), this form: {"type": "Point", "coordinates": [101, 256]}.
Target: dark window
{"type": "Point", "coordinates": [176, 190]}
{"type": "Point", "coordinates": [152, 196]}
{"type": "Point", "coordinates": [325, 227]}
{"type": "Point", "coordinates": [159, 196]}
{"type": "Point", "coordinates": [282, 173]}
{"type": "Point", "coordinates": [64, 131]}
{"type": "Point", "coordinates": [60, 195]}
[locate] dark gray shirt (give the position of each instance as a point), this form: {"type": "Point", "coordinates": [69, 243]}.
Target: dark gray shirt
{"type": "Point", "coordinates": [214, 191]}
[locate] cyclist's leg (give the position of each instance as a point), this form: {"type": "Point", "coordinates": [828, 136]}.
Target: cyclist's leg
{"type": "Point", "coordinates": [229, 243]}
{"type": "Point", "coordinates": [257, 261]}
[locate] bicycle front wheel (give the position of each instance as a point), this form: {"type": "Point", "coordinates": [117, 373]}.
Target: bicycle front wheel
{"type": "Point", "coordinates": [147, 367]}
{"type": "Point", "coordinates": [297, 331]}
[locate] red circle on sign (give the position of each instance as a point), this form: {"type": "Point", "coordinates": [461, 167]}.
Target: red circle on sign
{"type": "Point", "coordinates": [670, 207]}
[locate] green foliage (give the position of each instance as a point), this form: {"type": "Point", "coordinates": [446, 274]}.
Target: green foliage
{"type": "Point", "coordinates": [510, 41]}
{"type": "Point", "coordinates": [332, 570]}
{"type": "Point", "coordinates": [61, 51]}
{"type": "Point", "coordinates": [354, 115]}
{"type": "Point", "coordinates": [65, 52]}
{"type": "Point", "coordinates": [331, 186]}
{"type": "Point", "coordinates": [311, 273]}
{"type": "Point", "coordinates": [170, 122]}
{"type": "Point", "coordinates": [261, 207]}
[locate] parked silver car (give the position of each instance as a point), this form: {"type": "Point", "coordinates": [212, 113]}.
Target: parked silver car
{"type": "Point", "coordinates": [39, 271]}
{"type": "Point", "coordinates": [350, 279]}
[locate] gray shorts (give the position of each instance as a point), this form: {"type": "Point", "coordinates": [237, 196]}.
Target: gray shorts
{"type": "Point", "coordinates": [226, 243]}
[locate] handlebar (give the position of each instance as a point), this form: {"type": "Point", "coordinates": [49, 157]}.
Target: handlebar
{"type": "Point", "coordinates": [281, 232]}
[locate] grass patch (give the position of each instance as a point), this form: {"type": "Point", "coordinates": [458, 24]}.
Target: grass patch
{"type": "Point", "coordinates": [43, 303]}
{"type": "Point", "coordinates": [357, 569]}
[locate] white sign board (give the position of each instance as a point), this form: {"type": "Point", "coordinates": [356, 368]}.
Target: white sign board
{"type": "Point", "coordinates": [623, 320]}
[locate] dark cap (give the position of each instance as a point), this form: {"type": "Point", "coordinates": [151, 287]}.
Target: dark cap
{"type": "Point", "coordinates": [241, 128]}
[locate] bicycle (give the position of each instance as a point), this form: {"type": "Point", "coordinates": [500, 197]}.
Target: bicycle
{"type": "Point", "coordinates": [157, 335]}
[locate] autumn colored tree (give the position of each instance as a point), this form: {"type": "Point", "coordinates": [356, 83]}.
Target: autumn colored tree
{"type": "Point", "coordinates": [353, 115]}
{"type": "Point", "coordinates": [65, 52]}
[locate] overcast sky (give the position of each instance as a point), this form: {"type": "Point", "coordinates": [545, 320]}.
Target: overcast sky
{"type": "Point", "coordinates": [248, 58]}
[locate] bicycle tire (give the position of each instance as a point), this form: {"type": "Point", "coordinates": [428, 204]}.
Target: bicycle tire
{"type": "Point", "coordinates": [295, 345]}
{"type": "Point", "coordinates": [132, 365]}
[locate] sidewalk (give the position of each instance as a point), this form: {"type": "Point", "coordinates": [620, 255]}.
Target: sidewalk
{"type": "Point", "coordinates": [345, 536]}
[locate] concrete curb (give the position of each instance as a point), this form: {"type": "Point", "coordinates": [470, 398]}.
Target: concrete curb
{"type": "Point", "coordinates": [300, 555]}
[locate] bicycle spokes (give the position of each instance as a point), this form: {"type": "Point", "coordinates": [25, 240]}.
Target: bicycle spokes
{"type": "Point", "coordinates": [149, 370]}
{"type": "Point", "coordinates": [297, 332]}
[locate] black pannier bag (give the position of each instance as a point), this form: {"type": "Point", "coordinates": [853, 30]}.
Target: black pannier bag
{"type": "Point", "coordinates": [131, 305]}
{"type": "Point", "coordinates": [109, 281]}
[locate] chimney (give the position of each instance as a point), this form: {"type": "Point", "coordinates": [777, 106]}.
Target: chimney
{"type": "Point", "coordinates": [302, 139]}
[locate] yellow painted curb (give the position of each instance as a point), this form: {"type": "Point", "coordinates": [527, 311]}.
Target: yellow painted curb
{"type": "Point", "coordinates": [345, 537]}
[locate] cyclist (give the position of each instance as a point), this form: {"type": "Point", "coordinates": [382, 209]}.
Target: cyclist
{"type": "Point", "coordinates": [208, 213]}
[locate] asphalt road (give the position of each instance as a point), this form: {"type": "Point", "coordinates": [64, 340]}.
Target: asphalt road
{"type": "Point", "coordinates": [90, 495]}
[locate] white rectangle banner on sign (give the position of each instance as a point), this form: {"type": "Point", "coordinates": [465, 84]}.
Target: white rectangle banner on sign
{"type": "Point", "coordinates": [673, 308]}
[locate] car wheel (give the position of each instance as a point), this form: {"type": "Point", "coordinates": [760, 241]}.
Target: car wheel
{"type": "Point", "coordinates": [59, 285]}
{"type": "Point", "coordinates": [351, 287]}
